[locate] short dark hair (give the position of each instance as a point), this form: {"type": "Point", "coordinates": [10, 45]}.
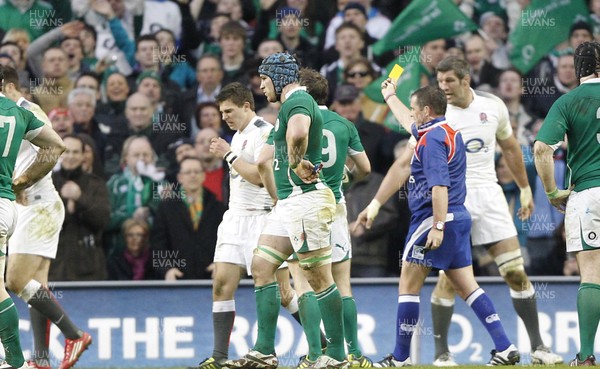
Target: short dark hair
{"type": "Point", "coordinates": [233, 28]}
{"type": "Point", "coordinates": [452, 63]}
{"type": "Point", "coordinates": [203, 105]}
{"type": "Point", "coordinates": [94, 75]}
{"type": "Point", "coordinates": [188, 157]}
{"type": "Point", "coordinates": [350, 25]}
{"type": "Point", "coordinates": [8, 75]}
{"type": "Point", "coordinates": [316, 84]}
{"type": "Point", "coordinates": [76, 136]}
{"type": "Point", "coordinates": [237, 93]}
{"type": "Point", "coordinates": [72, 38]}
{"type": "Point", "coordinates": [145, 38]}
{"type": "Point", "coordinates": [433, 97]}
{"type": "Point", "coordinates": [12, 43]}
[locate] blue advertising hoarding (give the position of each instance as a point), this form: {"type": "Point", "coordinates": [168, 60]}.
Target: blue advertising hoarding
{"type": "Point", "coordinates": [170, 324]}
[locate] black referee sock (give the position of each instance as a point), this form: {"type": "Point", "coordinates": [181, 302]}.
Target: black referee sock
{"type": "Point", "coordinates": [43, 300]}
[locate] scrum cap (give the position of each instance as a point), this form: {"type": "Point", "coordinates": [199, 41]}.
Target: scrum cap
{"type": "Point", "coordinates": [282, 68]}
{"type": "Point", "coordinates": [587, 59]}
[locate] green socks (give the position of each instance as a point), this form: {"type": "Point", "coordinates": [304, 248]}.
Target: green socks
{"type": "Point", "coordinates": [9, 333]}
{"type": "Point", "coordinates": [310, 315]}
{"type": "Point", "coordinates": [588, 312]}
{"type": "Point", "coordinates": [330, 303]}
{"type": "Point", "coordinates": [351, 325]}
{"type": "Point", "coordinates": [267, 311]}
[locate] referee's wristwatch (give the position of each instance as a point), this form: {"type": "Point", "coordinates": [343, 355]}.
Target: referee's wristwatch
{"type": "Point", "coordinates": [439, 225]}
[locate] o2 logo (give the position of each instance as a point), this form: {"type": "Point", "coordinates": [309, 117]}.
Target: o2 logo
{"type": "Point", "coordinates": [475, 145]}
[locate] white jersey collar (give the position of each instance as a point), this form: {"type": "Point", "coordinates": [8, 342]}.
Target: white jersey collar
{"type": "Point", "coordinates": [299, 88]}
{"type": "Point", "coordinates": [591, 80]}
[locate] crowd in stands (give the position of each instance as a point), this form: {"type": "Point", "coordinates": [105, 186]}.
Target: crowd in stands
{"type": "Point", "coordinates": [130, 86]}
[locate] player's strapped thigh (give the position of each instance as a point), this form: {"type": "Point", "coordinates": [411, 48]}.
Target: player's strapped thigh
{"type": "Point", "coordinates": [510, 261]}
{"type": "Point", "coordinates": [270, 254]}
{"type": "Point", "coordinates": [307, 218]}
{"type": "Point", "coordinates": [315, 260]}
{"type": "Point", "coordinates": [341, 247]}
{"type": "Point", "coordinates": [582, 220]}
{"type": "Point", "coordinates": [491, 218]}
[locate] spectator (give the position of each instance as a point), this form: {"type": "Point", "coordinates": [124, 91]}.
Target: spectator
{"type": "Point", "coordinates": [308, 12]}
{"type": "Point", "coordinates": [233, 42]}
{"type": "Point", "coordinates": [62, 121]}
{"type": "Point", "coordinates": [88, 36]}
{"type": "Point", "coordinates": [495, 33]}
{"type": "Point", "coordinates": [91, 162]}
{"type": "Point", "coordinates": [114, 25]}
{"type": "Point", "coordinates": [80, 255]}
{"type": "Point", "coordinates": [360, 73]}
{"type": "Point", "coordinates": [260, 100]}
{"type": "Point", "coordinates": [17, 55]}
{"type": "Point", "coordinates": [430, 56]}
{"type": "Point", "coordinates": [36, 49]}
{"type": "Point", "coordinates": [134, 263]}
{"type": "Point", "coordinates": [209, 78]}
{"type": "Point", "coordinates": [185, 229]}
{"type": "Point", "coordinates": [34, 16]}
{"type": "Point", "coordinates": [133, 193]}
{"type": "Point", "coordinates": [178, 150]}
{"type": "Point", "coordinates": [174, 64]}
{"type": "Point", "coordinates": [209, 116]}
{"type": "Point", "coordinates": [112, 109]}
{"type": "Point", "coordinates": [217, 175]}
{"type": "Point", "coordinates": [268, 47]}
{"type": "Point", "coordinates": [289, 25]}
{"type": "Point", "coordinates": [376, 139]}
{"type": "Point", "coordinates": [91, 81]}
{"type": "Point", "coordinates": [542, 93]}
{"type": "Point", "coordinates": [74, 49]}
{"type": "Point", "coordinates": [82, 104]}
{"type": "Point", "coordinates": [377, 26]}
{"type": "Point", "coordinates": [483, 74]}
{"type": "Point", "coordinates": [166, 104]}
{"type": "Point", "coordinates": [20, 37]}
{"type": "Point", "coordinates": [349, 43]}
{"type": "Point", "coordinates": [55, 86]}
{"type": "Point", "coordinates": [510, 90]}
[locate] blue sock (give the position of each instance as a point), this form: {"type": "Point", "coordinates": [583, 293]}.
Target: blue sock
{"type": "Point", "coordinates": [486, 312]}
{"type": "Point", "coordinates": [407, 320]}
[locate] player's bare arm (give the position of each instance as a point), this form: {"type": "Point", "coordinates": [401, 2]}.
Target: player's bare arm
{"type": "Point", "coordinates": [249, 172]}
{"type": "Point", "coordinates": [514, 160]}
{"type": "Point", "coordinates": [296, 137]}
{"type": "Point", "coordinates": [544, 164]}
{"type": "Point", "coordinates": [51, 147]}
{"type": "Point", "coordinates": [394, 179]}
{"type": "Point", "coordinates": [401, 112]}
{"type": "Point", "coordinates": [265, 170]}
{"type": "Point", "coordinates": [362, 166]}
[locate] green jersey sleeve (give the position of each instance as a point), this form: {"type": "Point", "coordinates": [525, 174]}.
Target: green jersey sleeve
{"type": "Point", "coordinates": [555, 125]}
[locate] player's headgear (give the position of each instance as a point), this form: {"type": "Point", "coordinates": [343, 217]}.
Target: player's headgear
{"type": "Point", "coordinates": [587, 59]}
{"type": "Point", "coordinates": [282, 68]}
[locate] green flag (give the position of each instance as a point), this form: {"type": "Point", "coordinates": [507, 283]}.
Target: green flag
{"type": "Point", "coordinates": [423, 21]}
{"type": "Point", "coordinates": [543, 25]}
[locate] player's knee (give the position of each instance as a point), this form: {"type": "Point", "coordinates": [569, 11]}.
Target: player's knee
{"type": "Point", "coordinates": [511, 266]}
{"type": "Point", "coordinates": [517, 280]}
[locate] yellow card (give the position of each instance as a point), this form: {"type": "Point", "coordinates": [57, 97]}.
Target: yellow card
{"type": "Point", "coordinates": [396, 73]}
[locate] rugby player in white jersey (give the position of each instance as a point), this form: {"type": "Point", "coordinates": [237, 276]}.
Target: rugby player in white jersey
{"type": "Point", "coordinates": [483, 121]}
{"type": "Point", "coordinates": [33, 245]}
{"type": "Point", "coordinates": [249, 205]}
